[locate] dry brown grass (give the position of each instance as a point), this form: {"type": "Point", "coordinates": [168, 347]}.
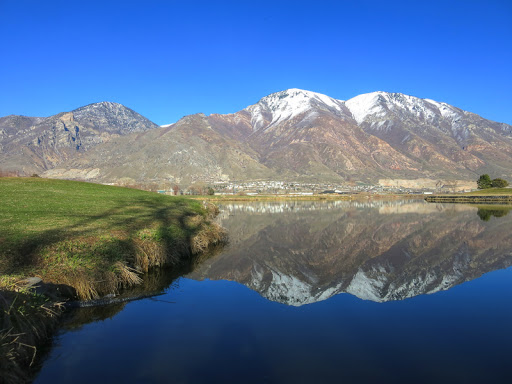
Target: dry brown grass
{"type": "Point", "coordinates": [26, 321]}
{"type": "Point", "coordinates": [209, 234]}
{"type": "Point", "coordinates": [148, 253]}
{"type": "Point", "coordinates": [91, 267]}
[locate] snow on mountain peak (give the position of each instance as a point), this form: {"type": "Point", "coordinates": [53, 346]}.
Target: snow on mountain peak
{"type": "Point", "coordinates": [378, 104]}
{"type": "Point", "coordinates": [446, 110]}
{"type": "Point", "coordinates": [374, 107]}
{"type": "Point", "coordinates": [366, 104]}
{"type": "Point", "coordinates": [284, 105]}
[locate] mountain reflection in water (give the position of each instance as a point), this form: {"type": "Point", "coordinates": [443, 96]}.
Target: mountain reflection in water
{"type": "Point", "coordinates": [211, 330]}
{"type": "Point", "coordinates": [298, 253]}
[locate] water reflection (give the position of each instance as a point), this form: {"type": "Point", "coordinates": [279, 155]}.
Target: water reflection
{"type": "Point", "coordinates": [298, 253]}
{"type": "Point", "coordinates": [156, 282]}
{"type": "Point", "coordinates": [486, 213]}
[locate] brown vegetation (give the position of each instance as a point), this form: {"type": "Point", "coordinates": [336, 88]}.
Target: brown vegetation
{"type": "Point", "coordinates": [26, 321]}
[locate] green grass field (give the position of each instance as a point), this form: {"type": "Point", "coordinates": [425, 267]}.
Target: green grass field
{"type": "Point", "coordinates": [91, 236]}
{"type": "Point", "coordinates": [491, 191]}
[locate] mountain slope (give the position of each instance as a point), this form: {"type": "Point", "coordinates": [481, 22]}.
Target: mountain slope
{"type": "Point", "coordinates": [293, 135]}
{"type": "Point", "coordinates": [39, 144]}
{"type": "Point", "coordinates": [368, 137]}
{"type": "Point", "coordinates": [187, 152]}
{"type": "Point", "coordinates": [435, 133]}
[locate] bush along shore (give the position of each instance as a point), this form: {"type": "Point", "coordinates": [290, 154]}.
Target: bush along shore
{"type": "Point", "coordinates": [63, 241]}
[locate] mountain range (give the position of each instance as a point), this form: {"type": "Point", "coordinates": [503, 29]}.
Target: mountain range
{"type": "Point", "coordinates": [293, 135]}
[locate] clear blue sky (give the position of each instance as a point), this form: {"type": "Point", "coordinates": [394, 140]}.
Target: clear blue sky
{"type": "Point", "coordinates": [167, 59]}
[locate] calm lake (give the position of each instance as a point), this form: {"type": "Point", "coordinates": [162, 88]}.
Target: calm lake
{"type": "Point", "coordinates": [307, 292]}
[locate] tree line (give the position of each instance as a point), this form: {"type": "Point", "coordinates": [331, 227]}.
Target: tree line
{"type": "Point", "coordinates": [485, 182]}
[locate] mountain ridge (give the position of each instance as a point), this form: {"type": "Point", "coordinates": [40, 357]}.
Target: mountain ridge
{"type": "Point", "coordinates": [288, 135]}
{"type": "Point", "coordinates": [42, 143]}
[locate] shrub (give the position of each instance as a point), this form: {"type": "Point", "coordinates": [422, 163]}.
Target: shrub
{"type": "Point", "coordinates": [499, 183]}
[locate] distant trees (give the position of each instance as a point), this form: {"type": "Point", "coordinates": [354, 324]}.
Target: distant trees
{"type": "Point", "coordinates": [485, 182]}
{"type": "Point", "coordinates": [197, 188]}
{"type": "Point", "coordinates": [499, 183]}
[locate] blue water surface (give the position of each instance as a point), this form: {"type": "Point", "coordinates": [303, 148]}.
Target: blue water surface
{"type": "Point", "coordinates": [430, 302]}
{"type": "Point", "coordinates": [220, 331]}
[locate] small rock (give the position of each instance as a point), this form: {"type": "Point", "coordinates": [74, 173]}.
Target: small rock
{"type": "Point", "coordinates": [30, 282]}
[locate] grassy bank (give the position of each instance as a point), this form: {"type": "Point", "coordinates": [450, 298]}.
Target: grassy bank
{"type": "Point", "coordinates": [490, 195]}
{"type": "Point", "coordinates": [84, 241]}
{"type": "Point", "coordinates": [91, 237]}
{"type": "Point", "coordinates": [490, 191]}
{"type": "Point", "coordinates": [27, 321]}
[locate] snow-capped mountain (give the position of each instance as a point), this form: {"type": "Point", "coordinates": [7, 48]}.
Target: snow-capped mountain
{"type": "Point", "coordinates": [370, 136]}
{"type": "Point", "coordinates": [286, 105]}
{"type": "Point", "coordinates": [293, 135]}
{"type": "Point", "coordinates": [376, 105]}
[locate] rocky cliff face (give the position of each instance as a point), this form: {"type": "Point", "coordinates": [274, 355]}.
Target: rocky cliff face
{"type": "Point", "coordinates": [113, 118]}
{"type": "Point", "coordinates": [292, 135]}
{"type": "Point", "coordinates": [38, 144]}
{"type": "Point", "coordinates": [14, 126]}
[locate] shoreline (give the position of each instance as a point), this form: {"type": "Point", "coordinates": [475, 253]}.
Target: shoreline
{"type": "Point", "coordinates": [352, 197]}
{"type": "Point", "coordinates": [470, 199]}
{"type": "Point", "coordinates": [31, 315]}
{"type": "Point", "coordinates": [63, 241]}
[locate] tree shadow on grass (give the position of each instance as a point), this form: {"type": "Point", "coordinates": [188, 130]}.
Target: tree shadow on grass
{"type": "Point", "coordinates": [113, 235]}
{"type": "Point", "coordinates": [88, 247]}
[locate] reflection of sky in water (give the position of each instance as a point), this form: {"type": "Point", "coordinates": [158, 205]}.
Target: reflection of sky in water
{"type": "Point", "coordinates": [204, 331]}
{"type": "Point", "coordinates": [223, 332]}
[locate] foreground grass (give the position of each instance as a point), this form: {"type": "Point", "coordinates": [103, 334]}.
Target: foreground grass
{"type": "Point", "coordinates": [27, 321]}
{"type": "Point", "coordinates": [93, 238]}
{"type": "Point", "coordinates": [83, 240]}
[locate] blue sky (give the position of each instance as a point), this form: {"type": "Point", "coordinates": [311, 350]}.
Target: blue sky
{"type": "Point", "coordinates": [167, 59]}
